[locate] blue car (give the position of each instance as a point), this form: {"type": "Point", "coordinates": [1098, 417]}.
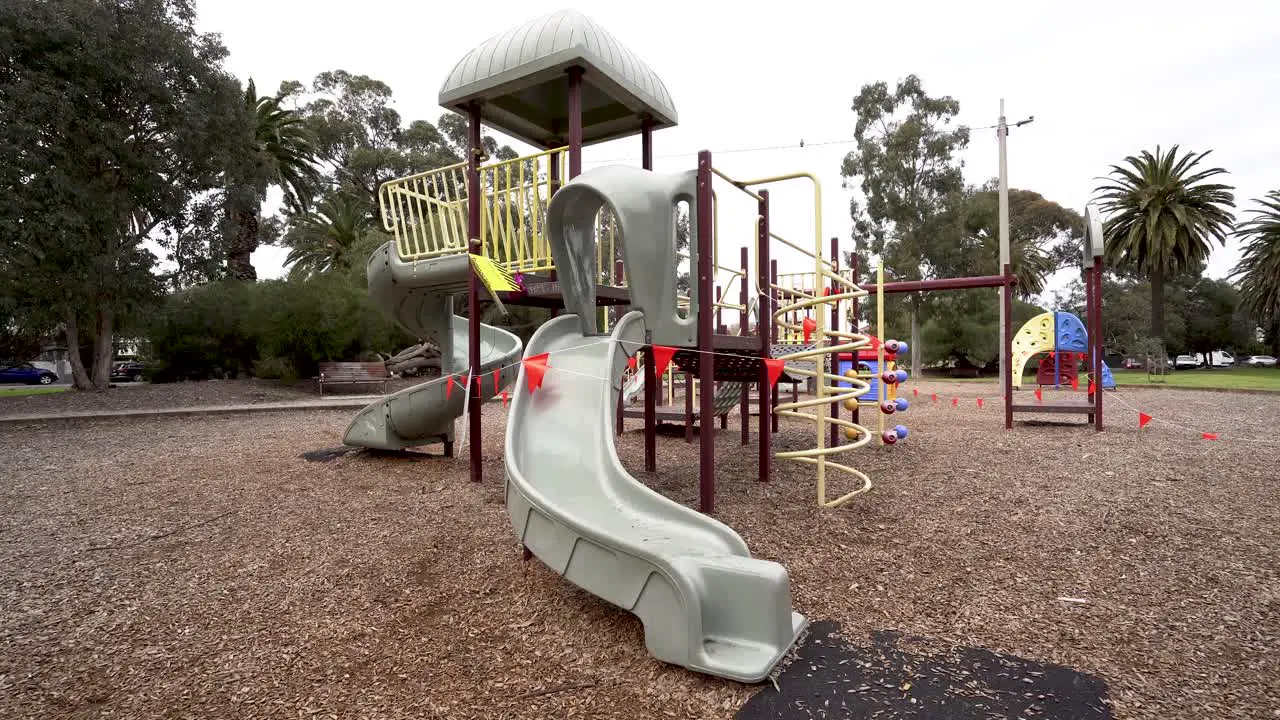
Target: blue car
{"type": "Point", "coordinates": [27, 374]}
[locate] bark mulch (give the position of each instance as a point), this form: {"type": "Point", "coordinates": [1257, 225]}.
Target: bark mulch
{"type": "Point", "coordinates": [138, 396]}
{"type": "Point", "coordinates": [201, 567]}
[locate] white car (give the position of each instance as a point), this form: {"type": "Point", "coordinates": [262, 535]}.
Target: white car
{"type": "Point", "coordinates": [1186, 362]}
{"type": "Point", "coordinates": [1260, 361]}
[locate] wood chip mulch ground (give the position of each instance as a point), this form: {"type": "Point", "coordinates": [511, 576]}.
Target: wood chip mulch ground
{"type": "Point", "coordinates": [201, 567]}
{"type": "Point", "coordinates": [137, 396]}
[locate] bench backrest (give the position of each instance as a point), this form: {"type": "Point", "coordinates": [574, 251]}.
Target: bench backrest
{"type": "Point", "coordinates": [354, 371]}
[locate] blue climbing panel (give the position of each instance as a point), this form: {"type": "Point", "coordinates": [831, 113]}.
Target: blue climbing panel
{"type": "Point", "coordinates": [865, 366]}
{"type": "Point", "coordinates": [1070, 335]}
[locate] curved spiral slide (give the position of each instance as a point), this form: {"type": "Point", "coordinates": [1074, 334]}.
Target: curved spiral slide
{"type": "Point", "coordinates": [419, 297]}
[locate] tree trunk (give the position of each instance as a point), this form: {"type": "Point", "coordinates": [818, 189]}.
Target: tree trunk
{"type": "Point", "coordinates": [915, 342]}
{"type": "Point", "coordinates": [103, 349]}
{"type": "Point", "coordinates": [240, 252]}
{"type": "Point", "coordinates": [79, 378]}
{"type": "Point", "coordinates": [1157, 307]}
{"type": "Point", "coordinates": [1275, 335]}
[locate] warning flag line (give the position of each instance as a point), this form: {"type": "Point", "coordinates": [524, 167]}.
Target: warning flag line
{"type": "Point", "coordinates": [537, 365]}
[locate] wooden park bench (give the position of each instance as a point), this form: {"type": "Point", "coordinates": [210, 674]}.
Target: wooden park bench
{"type": "Point", "coordinates": [353, 373]}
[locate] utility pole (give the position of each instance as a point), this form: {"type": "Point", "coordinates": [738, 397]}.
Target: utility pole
{"type": "Point", "coordinates": [1002, 134]}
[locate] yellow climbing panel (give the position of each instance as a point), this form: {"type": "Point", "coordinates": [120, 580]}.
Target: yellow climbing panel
{"type": "Point", "coordinates": [1036, 336]}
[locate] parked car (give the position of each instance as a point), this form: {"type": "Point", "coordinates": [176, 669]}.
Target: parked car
{"type": "Point", "coordinates": [1221, 358]}
{"type": "Point", "coordinates": [1132, 364]}
{"type": "Point", "coordinates": [1259, 361]}
{"type": "Point", "coordinates": [1186, 362]}
{"type": "Point", "coordinates": [127, 370]}
{"type": "Point", "coordinates": [27, 374]}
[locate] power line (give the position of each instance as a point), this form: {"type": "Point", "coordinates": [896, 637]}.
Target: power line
{"type": "Point", "coordinates": [802, 145]}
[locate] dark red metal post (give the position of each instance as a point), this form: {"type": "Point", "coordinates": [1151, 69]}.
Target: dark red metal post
{"type": "Point", "coordinates": [473, 293]}
{"type": "Point", "coordinates": [1095, 334]}
{"type": "Point", "coordinates": [706, 360]}
{"type": "Point", "coordinates": [744, 408]}
{"type": "Point", "coordinates": [773, 328]}
{"type": "Point", "coordinates": [650, 411]}
{"type": "Point", "coordinates": [651, 381]}
{"type": "Point", "coordinates": [835, 326]}
{"type": "Point", "coordinates": [688, 407]}
{"type": "Point", "coordinates": [764, 329]}
{"type": "Point", "coordinates": [1006, 352]}
{"type": "Point", "coordinates": [646, 143]}
{"type": "Point", "coordinates": [853, 314]}
{"type": "Point", "coordinates": [575, 122]}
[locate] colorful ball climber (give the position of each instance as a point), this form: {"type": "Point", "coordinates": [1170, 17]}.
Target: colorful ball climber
{"type": "Point", "coordinates": [888, 407]}
{"type": "Point", "coordinates": [901, 404]}
{"type": "Point", "coordinates": [889, 437]}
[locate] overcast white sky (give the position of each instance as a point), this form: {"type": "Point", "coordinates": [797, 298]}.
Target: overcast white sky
{"type": "Point", "coordinates": [1103, 80]}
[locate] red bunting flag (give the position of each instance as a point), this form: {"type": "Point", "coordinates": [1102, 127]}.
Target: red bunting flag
{"type": "Point", "coordinates": [979, 403]}
{"type": "Point", "coordinates": [497, 380]}
{"type": "Point", "coordinates": [1209, 436]}
{"type": "Point", "coordinates": [774, 368]}
{"type": "Point", "coordinates": [631, 363]}
{"type": "Point", "coordinates": [1039, 395]}
{"type": "Point", "coordinates": [1075, 383]}
{"type": "Point", "coordinates": [1092, 387]}
{"type": "Point", "coordinates": [809, 325]}
{"type": "Point", "coordinates": [504, 398]}
{"type": "Point", "coordinates": [662, 358]}
{"type": "Point", "coordinates": [448, 389]}
{"type": "Point", "coordinates": [955, 402]}
{"type": "Point", "coordinates": [934, 397]}
{"type": "Point", "coordinates": [535, 368]}
{"type": "Point", "coordinates": [915, 392]}
{"type": "Point", "coordinates": [1143, 419]}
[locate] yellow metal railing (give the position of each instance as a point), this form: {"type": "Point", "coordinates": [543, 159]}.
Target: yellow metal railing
{"type": "Point", "coordinates": [426, 213]}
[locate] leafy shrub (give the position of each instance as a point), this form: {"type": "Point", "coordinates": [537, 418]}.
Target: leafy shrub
{"type": "Point", "coordinates": [274, 368]}
{"type": "Point", "coordinates": [280, 328]}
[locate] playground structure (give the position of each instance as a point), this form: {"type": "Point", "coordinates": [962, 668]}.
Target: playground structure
{"type": "Point", "coordinates": [538, 231]}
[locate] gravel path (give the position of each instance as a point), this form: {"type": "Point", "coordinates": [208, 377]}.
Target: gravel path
{"type": "Point", "coordinates": [199, 567]}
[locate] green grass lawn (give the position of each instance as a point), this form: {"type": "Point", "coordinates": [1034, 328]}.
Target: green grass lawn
{"type": "Point", "coordinates": [33, 390]}
{"type": "Point", "coordinates": [1224, 378]}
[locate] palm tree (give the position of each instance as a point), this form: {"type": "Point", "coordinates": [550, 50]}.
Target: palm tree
{"type": "Point", "coordinates": [281, 153]}
{"type": "Point", "coordinates": [1259, 266]}
{"type": "Point", "coordinates": [331, 236]}
{"type": "Point", "coordinates": [1163, 214]}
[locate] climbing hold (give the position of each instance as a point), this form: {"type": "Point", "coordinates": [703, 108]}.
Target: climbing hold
{"type": "Point", "coordinates": [888, 407]}
{"type": "Point", "coordinates": [889, 437]}
{"type": "Point", "coordinates": [901, 404]}
{"type": "Point", "coordinates": [900, 431]}
{"type": "Point", "coordinates": [891, 346]}
{"type": "Point", "coordinates": [902, 347]}
{"type": "Point", "coordinates": [850, 434]}
{"type": "Point", "coordinates": [889, 377]}
{"type": "Point", "coordinates": [901, 375]}
{"type": "Point", "coordinates": [851, 404]}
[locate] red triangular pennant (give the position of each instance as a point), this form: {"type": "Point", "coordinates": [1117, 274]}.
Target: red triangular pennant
{"type": "Point", "coordinates": [497, 380]}
{"type": "Point", "coordinates": [774, 367]}
{"type": "Point", "coordinates": [504, 398]}
{"type": "Point", "coordinates": [1209, 436]}
{"type": "Point", "coordinates": [934, 397]}
{"type": "Point", "coordinates": [809, 325]}
{"type": "Point", "coordinates": [1092, 387]}
{"type": "Point", "coordinates": [631, 363]}
{"type": "Point", "coordinates": [534, 368]}
{"type": "Point", "coordinates": [1143, 419]}
{"type": "Point", "coordinates": [1075, 383]}
{"type": "Point", "coordinates": [448, 388]}
{"type": "Point", "coordinates": [915, 392]}
{"type": "Point", "coordinates": [662, 358]}
{"type": "Point", "coordinates": [979, 403]}
{"type": "Point", "coordinates": [1039, 395]}
{"type": "Point", "coordinates": [955, 402]}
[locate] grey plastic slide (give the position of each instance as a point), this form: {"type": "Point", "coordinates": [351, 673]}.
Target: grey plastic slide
{"type": "Point", "coordinates": [705, 603]}
{"type": "Point", "coordinates": [419, 296]}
